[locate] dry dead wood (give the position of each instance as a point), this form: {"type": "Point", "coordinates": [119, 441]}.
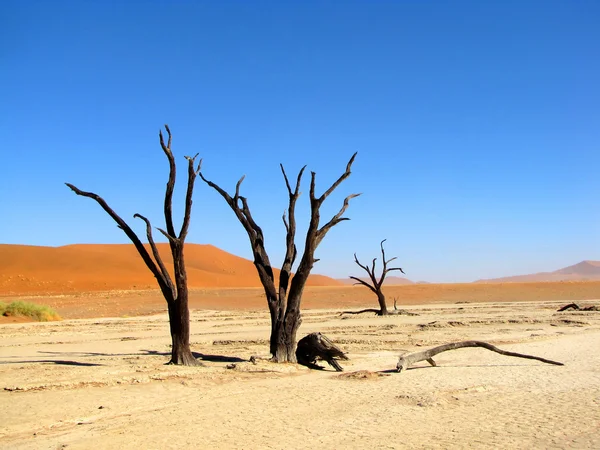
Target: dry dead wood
{"type": "Point", "coordinates": [573, 306]}
{"type": "Point", "coordinates": [409, 359]}
{"type": "Point", "coordinates": [576, 307]}
{"type": "Point", "coordinates": [317, 346]}
{"type": "Point", "coordinates": [395, 312]}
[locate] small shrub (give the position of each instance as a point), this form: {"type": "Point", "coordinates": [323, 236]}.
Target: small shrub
{"type": "Point", "coordinates": [41, 313]}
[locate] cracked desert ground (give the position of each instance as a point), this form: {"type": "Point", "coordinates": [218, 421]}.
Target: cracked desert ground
{"type": "Point", "coordinates": [98, 379]}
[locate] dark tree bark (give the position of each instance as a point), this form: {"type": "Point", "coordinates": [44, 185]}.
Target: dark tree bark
{"type": "Point", "coordinates": [376, 284]}
{"type": "Point", "coordinates": [175, 293]}
{"type": "Point", "coordinates": [285, 298]}
{"type": "Point", "coordinates": [315, 347]}
{"type": "Point", "coordinates": [576, 307]}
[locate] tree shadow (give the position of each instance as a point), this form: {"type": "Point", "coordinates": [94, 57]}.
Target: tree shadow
{"type": "Point", "coordinates": [60, 362]}
{"type": "Point", "coordinates": [144, 352]}
{"type": "Point", "coordinates": [88, 354]}
{"type": "Point", "coordinates": [312, 366]}
{"type": "Point", "coordinates": [218, 358]}
{"type": "Point", "coordinates": [201, 356]}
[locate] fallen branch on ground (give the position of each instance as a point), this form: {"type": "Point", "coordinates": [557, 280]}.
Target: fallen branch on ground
{"type": "Point", "coordinates": [395, 312]}
{"type": "Point", "coordinates": [576, 307]}
{"type": "Point", "coordinates": [409, 359]}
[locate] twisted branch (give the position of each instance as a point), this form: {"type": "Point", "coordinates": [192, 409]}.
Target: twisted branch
{"type": "Point", "coordinates": [168, 205]}
{"type": "Point", "coordinates": [409, 359]}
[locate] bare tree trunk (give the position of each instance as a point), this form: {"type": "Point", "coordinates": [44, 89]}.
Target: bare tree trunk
{"type": "Point", "coordinates": [179, 312]}
{"type": "Point", "coordinates": [285, 345]}
{"type": "Point", "coordinates": [275, 326]}
{"type": "Point", "coordinates": [285, 338]}
{"type": "Point", "coordinates": [179, 322]}
{"type": "Point", "coordinates": [382, 306]}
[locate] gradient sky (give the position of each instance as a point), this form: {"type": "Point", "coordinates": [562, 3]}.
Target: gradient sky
{"type": "Point", "coordinates": [477, 125]}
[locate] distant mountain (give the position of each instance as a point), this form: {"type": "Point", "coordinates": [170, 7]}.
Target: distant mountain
{"type": "Point", "coordinates": [389, 281]}
{"type": "Point", "coordinates": [585, 270]}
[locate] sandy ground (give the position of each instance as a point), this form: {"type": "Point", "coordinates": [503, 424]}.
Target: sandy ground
{"type": "Point", "coordinates": [102, 383]}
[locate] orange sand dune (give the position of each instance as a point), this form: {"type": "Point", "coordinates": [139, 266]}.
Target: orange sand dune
{"type": "Point", "coordinates": [93, 267]}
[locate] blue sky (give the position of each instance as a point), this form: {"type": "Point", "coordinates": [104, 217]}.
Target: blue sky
{"type": "Point", "coordinates": [477, 125]}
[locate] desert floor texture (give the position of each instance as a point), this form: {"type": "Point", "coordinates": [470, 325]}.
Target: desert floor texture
{"type": "Point", "coordinates": [98, 379]}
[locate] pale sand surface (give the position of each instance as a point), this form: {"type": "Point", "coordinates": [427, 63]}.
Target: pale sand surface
{"type": "Point", "coordinates": [102, 383]}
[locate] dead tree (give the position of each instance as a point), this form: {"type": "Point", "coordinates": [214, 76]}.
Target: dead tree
{"type": "Point", "coordinates": [376, 284]}
{"type": "Point", "coordinates": [315, 347]}
{"type": "Point", "coordinates": [284, 305]}
{"type": "Point", "coordinates": [409, 359]}
{"type": "Point", "coordinates": [175, 293]}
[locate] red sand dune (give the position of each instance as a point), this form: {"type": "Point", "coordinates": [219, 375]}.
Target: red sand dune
{"type": "Point", "coordinates": [92, 267]}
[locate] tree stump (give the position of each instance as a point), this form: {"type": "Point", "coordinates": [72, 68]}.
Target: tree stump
{"type": "Point", "coordinates": [317, 346]}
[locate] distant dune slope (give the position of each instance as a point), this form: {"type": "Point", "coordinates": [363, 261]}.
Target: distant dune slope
{"type": "Point", "coordinates": [583, 271]}
{"type": "Point", "coordinates": [92, 267]}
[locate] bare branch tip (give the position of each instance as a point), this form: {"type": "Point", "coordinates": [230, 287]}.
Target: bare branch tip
{"type": "Point", "coordinates": [192, 158]}
{"type": "Point", "coordinates": [351, 161]}
{"type": "Point", "coordinates": [237, 186]}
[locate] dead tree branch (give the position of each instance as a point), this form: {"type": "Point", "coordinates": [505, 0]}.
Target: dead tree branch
{"type": "Point", "coordinates": [409, 359]}
{"type": "Point", "coordinates": [162, 282]}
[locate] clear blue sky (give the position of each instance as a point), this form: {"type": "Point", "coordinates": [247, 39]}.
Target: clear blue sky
{"type": "Point", "coordinates": [477, 124]}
